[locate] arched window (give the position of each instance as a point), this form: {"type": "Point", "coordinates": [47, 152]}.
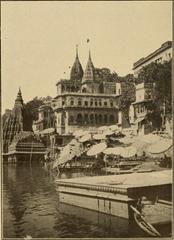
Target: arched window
{"type": "Point", "coordinates": [101, 88]}
{"type": "Point", "coordinates": [77, 89]}
{"type": "Point", "coordinates": [112, 104]}
{"type": "Point", "coordinates": [86, 120]}
{"type": "Point", "coordinates": [68, 88]}
{"type": "Point", "coordinates": [111, 118]}
{"type": "Point", "coordinates": [84, 90]}
{"type": "Point", "coordinates": [105, 118]}
{"type": "Point", "coordinates": [71, 102]}
{"type": "Point", "coordinates": [92, 118]}
{"type": "Point", "coordinates": [71, 119]}
{"type": "Point", "coordinates": [100, 118]}
{"type": "Point", "coordinates": [72, 89]}
{"type": "Point", "coordinates": [105, 103]}
{"type": "Point", "coordinates": [96, 118]}
{"type": "Point", "coordinates": [91, 102]}
{"type": "Point", "coordinates": [86, 103]}
{"type": "Point", "coordinates": [79, 118]}
{"type": "Point", "coordinates": [63, 88]}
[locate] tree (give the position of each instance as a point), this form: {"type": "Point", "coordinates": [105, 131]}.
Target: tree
{"type": "Point", "coordinates": [127, 92]}
{"type": "Point", "coordinates": [160, 76]}
{"type": "Point", "coordinates": [30, 112]}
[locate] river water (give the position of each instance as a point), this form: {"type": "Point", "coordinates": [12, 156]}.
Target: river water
{"type": "Point", "coordinates": [31, 208]}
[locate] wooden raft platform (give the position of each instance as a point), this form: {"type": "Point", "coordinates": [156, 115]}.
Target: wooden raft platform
{"type": "Point", "coordinates": [114, 194]}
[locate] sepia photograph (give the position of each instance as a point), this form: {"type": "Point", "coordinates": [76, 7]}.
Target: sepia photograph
{"type": "Point", "coordinates": [86, 119]}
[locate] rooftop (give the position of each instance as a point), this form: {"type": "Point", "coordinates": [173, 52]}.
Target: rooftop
{"type": "Point", "coordinates": [125, 181]}
{"type": "Point", "coordinates": [163, 47]}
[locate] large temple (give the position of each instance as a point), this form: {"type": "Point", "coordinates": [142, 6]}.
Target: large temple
{"type": "Point", "coordinates": [86, 100]}
{"type": "Point", "coordinates": [13, 124]}
{"type": "Point", "coordinates": [18, 144]}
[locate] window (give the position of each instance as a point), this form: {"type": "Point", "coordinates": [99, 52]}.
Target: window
{"type": "Point", "coordinates": [92, 118]}
{"type": "Point", "coordinates": [105, 118]}
{"type": "Point", "coordinates": [105, 103]}
{"type": "Point", "coordinates": [100, 118]}
{"type": "Point", "coordinates": [84, 90]}
{"type": "Point", "coordinates": [91, 103]}
{"type": "Point", "coordinates": [72, 89]}
{"type": "Point", "coordinates": [111, 118]}
{"type": "Point", "coordinates": [96, 118]}
{"type": "Point", "coordinates": [112, 104]}
{"type": "Point", "coordinates": [96, 104]}
{"type": "Point", "coordinates": [79, 103]}
{"type": "Point", "coordinates": [63, 88]}
{"type": "Point", "coordinates": [86, 103]}
{"type": "Point", "coordinates": [68, 89]}
{"type": "Point", "coordinates": [72, 102]}
{"type": "Point", "coordinates": [71, 119]}
{"type": "Point", "coordinates": [63, 103]}
{"type": "Point", "coordinates": [86, 118]}
{"type": "Point", "coordinates": [79, 118]}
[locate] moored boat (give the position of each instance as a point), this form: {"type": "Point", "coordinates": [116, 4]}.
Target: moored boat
{"type": "Point", "coordinates": [158, 214]}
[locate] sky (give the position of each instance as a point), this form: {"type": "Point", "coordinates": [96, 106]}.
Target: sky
{"type": "Point", "coordinates": [38, 40]}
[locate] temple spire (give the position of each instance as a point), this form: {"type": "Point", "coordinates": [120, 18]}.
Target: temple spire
{"type": "Point", "coordinates": [76, 70]}
{"type": "Point", "coordinates": [19, 99]}
{"type": "Point", "coordinates": [89, 71]}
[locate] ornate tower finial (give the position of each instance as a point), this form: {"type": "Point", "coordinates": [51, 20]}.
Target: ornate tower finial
{"type": "Point", "coordinates": [77, 56]}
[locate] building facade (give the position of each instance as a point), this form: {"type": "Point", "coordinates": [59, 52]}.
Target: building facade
{"type": "Point", "coordinates": [141, 107]}
{"type": "Point", "coordinates": [145, 92]}
{"type": "Point", "coordinates": [87, 99]}
{"type": "Point", "coordinates": [162, 54]}
{"type": "Point", "coordinates": [45, 120]}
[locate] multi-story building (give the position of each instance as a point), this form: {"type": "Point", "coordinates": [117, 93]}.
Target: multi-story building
{"type": "Point", "coordinates": [162, 54]}
{"type": "Point", "coordinates": [87, 100]}
{"type": "Point", "coordinates": [45, 120]}
{"type": "Point", "coordinates": [139, 109]}
{"type": "Point", "coordinates": [145, 91]}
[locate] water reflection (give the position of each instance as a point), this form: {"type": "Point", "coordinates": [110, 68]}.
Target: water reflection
{"type": "Point", "coordinates": [31, 207]}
